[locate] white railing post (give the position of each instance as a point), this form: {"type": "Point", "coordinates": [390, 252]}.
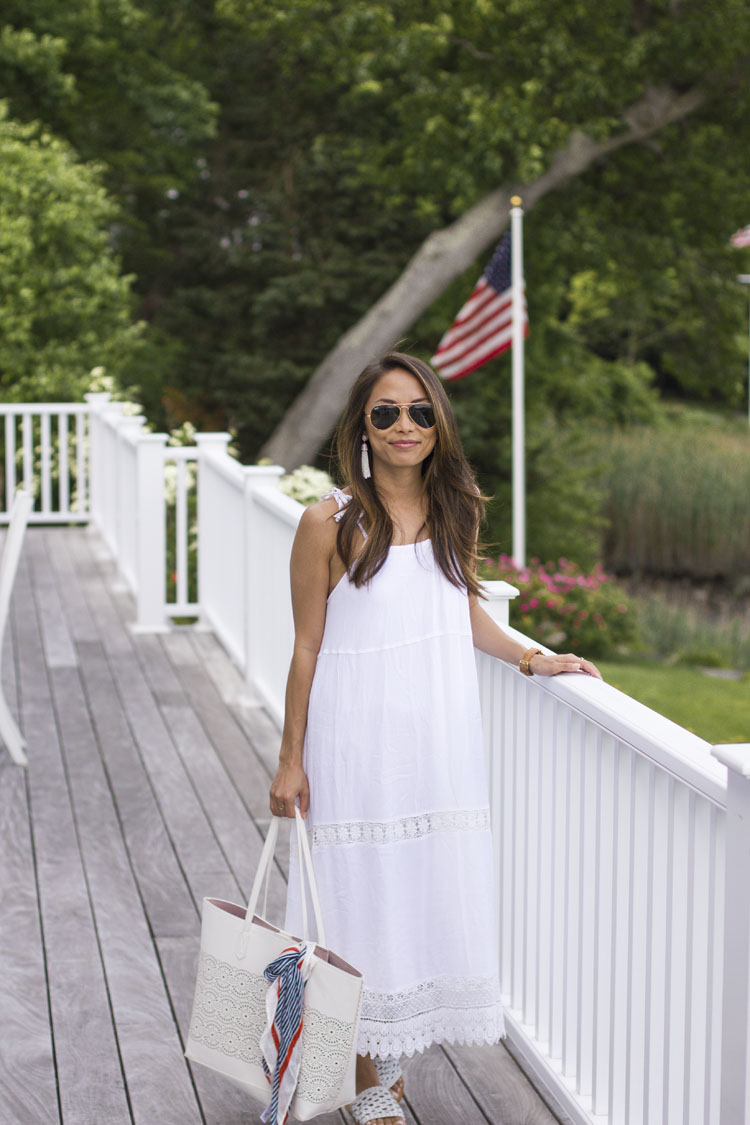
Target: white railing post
{"type": "Point", "coordinates": [96, 401]}
{"type": "Point", "coordinates": [151, 540]}
{"type": "Point", "coordinates": [735, 1030]}
{"type": "Point", "coordinates": [211, 444]}
{"type": "Point", "coordinates": [129, 430]}
{"type": "Point", "coordinates": [110, 415]}
{"type": "Point", "coordinates": [499, 596]}
{"type": "Point", "coordinates": [257, 610]}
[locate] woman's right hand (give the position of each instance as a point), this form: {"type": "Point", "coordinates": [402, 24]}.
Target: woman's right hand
{"type": "Point", "coordinates": [289, 783]}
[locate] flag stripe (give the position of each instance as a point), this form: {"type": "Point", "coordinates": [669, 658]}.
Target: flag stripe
{"type": "Point", "coordinates": [489, 311]}
{"type": "Point", "coordinates": [504, 342]}
{"type": "Point", "coordinates": [482, 328]}
{"type": "Point", "coordinates": [481, 351]}
{"type": "Point", "coordinates": [497, 317]}
{"type": "Point", "coordinates": [480, 291]}
{"type": "Point", "coordinates": [492, 326]}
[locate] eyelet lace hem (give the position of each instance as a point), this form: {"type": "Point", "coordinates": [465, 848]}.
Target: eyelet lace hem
{"type": "Point", "coordinates": [403, 828]}
{"type": "Point", "coordinates": [437, 1010]}
{"type": "Point", "coordinates": [384, 1042]}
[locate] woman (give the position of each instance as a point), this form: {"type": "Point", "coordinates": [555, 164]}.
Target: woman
{"type": "Point", "coordinates": [382, 742]}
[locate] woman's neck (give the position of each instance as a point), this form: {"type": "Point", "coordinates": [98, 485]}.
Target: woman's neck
{"type": "Point", "coordinates": [400, 488]}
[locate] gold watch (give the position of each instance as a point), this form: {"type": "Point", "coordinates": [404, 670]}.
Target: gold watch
{"type": "Point", "coordinates": [525, 662]}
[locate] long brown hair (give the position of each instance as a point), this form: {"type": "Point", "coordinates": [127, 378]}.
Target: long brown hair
{"type": "Point", "coordinates": [455, 505]}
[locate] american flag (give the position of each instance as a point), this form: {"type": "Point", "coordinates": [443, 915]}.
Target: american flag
{"type": "Point", "coordinates": [483, 327]}
{"type": "Point", "coordinates": [741, 237]}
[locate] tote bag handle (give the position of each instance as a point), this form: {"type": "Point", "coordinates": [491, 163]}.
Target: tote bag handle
{"type": "Point", "coordinates": [305, 869]}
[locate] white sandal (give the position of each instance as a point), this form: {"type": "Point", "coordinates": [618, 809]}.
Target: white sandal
{"type": "Point", "coordinates": [389, 1072]}
{"type": "Point", "coordinates": [375, 1101]}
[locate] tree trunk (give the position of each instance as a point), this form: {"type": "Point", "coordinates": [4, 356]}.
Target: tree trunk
{"type": "Point", "coordinates": [440, 259]}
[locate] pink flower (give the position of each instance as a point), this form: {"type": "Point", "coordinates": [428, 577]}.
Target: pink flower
{"type": "Point", "coordinates": [534, 603]}
{"type": "Point", "coordinates": [551, 604]}
{"type": "Point", "coordinates": [524, 607]}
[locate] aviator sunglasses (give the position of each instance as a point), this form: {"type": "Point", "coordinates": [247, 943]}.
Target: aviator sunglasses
{"type": "Point", "coordinates": [385, 416]}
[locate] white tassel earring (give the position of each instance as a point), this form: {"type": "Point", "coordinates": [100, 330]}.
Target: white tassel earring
{"type": "Point", "coordinates": [365, 458]}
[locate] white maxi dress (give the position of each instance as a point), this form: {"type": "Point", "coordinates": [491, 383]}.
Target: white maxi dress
{"type": "Point", "coordinates": [399, 820]}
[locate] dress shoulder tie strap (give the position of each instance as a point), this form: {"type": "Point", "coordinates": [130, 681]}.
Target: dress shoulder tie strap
{"type": "Point", "coordinates": [342, 499]}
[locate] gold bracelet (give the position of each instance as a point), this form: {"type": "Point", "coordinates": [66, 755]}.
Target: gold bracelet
{"type": "Point", "coordinates": [525, 661]}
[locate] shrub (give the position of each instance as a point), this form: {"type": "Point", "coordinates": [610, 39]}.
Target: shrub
{"type": "Point", "coordinates": [306, 484]}
{"type": "Point", "coordinates": [565, 607]}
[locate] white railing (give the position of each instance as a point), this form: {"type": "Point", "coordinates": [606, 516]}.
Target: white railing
{"type": "Point", "coordinates": [610, 823]}
{"type": "Point", "coordinates": [622, 882]}
{"type": "Point", "coordinates": [44, 451]}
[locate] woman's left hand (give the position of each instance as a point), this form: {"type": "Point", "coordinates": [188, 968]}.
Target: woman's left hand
{"type": "Point", "coordinates": [554, 663]}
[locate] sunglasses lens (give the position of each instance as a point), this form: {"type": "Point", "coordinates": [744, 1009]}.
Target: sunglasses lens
{"type": "Point", "coordinates": [384, 416]}
{"type": "Point", "coordinates": [423, 414]}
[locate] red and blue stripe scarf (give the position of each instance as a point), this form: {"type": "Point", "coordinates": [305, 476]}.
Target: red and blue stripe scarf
{"type": "Point", "coordinates": [281, 1041]}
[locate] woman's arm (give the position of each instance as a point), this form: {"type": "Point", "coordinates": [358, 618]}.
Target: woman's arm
{"type": "Point", "coordinates": [309, 570]}
{"type": "Point", "coordinates": [489, 637]}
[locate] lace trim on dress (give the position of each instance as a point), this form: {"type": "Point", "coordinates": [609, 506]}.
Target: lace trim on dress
{"type": "Point", "coordinates": [404, 828]}
{"type": "Point", "coordinates": [442, 1009]}
{"type": "Point", "coordinates": [229, 1015]}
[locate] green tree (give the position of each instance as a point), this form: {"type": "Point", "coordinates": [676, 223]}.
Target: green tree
{"type": "Point", "coordinates": [113, 79]}
{"type": "Point", "coordinates": [64, 305]}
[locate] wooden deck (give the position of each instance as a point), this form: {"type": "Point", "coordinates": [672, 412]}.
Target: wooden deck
{"type": "Point", "coordinates": [146, 790]}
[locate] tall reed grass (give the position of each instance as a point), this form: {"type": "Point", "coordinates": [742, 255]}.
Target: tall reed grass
{"type": "Point", "coordinates": [685, 634]}
{"type": "Point", "coordinates": [678, 502]}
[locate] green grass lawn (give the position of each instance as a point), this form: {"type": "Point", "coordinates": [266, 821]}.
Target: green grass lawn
{"type": "Point", "coordinates": [717, 710]}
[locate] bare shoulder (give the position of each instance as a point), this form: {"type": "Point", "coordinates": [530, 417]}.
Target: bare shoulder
{"type": "Point", "coordinates": [317, 527]}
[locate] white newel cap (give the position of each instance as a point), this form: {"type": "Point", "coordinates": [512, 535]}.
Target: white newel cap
{"type": "Point", "coordinates": [497, 590]}
{"type": "Point", "coordinates": [735, 755]}
{"type": "Point", "coordinates": [132, 423]}
{"type": "Point", "coordinates": [216, 440]}
{"type": "Point", "coordinates": [499, 596]}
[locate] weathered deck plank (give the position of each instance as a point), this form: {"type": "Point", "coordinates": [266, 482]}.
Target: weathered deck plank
{"type": "Point", "coordinates": [85, 1045]}
{"type": "Point", "coordinates": [27, 1065]}
{"type": "Point", "coordinates": [147, 789]}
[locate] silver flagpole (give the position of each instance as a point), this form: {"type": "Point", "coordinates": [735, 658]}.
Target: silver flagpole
{"type": "Point", "coordinates": [519, 467]}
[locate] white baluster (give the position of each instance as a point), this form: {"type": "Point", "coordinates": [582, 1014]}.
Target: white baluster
{"type": "Point", "coordinates": [82, 461]}
{"type": "Point", "coordinates": [10, 460]}
{"type": "Point", "coordinates": [735, 1033]}
{"type": "Point", "coordinates": [28, 452]}
{"type": "Point", "coordinates": [62, 462]}
{"type": "Point", "coordinates": [45, 462]}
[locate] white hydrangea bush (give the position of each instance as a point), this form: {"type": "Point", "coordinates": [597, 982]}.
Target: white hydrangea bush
{"type": "Point", "coordinates": [306, 484]}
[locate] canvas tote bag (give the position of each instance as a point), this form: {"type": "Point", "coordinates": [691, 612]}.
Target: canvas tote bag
{"type": "Point", "coordinates": [231, 996]}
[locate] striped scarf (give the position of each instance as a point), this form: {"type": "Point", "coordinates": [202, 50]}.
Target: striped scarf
{"type": "Point", "coordinates": [281, 1041]}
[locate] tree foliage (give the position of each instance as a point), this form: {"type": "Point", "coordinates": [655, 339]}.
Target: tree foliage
{"type": "Point", "coordinates": [274, 167]}
{"type": "Point", "coordinates": [64, 305]}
